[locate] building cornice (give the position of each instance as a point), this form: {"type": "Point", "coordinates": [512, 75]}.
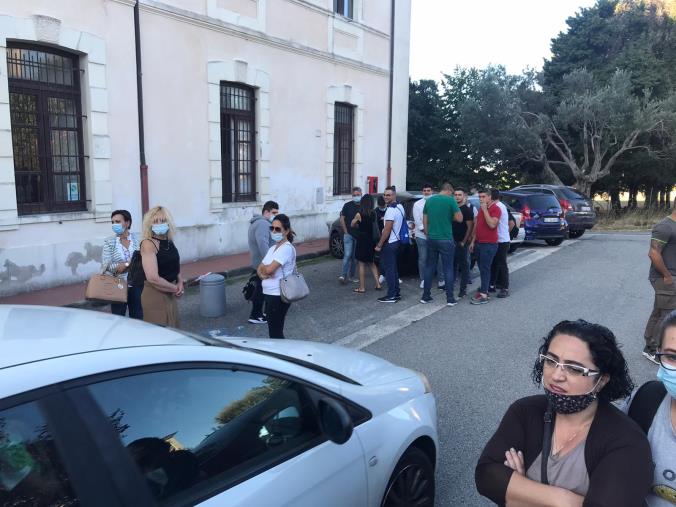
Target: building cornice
{"type": "Point", "coordinates": [327, 12]}
{"type": "Point", "coordinates": [203, 21]}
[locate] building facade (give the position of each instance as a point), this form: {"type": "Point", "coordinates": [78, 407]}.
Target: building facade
{"type": "Point", "coordinates": [243, 101]}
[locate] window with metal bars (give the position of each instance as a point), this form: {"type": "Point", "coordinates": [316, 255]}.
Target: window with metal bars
{"type": "Point", "coordinates": [343, 148]}
{"type": "Point", "coordinates": [46, 119]}
{"type": "Point", "coordinates": [238, 142]}
{"type": "Point", "coordinates": [344, 8]}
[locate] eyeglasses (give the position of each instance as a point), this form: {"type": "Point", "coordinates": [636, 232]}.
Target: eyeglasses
{"type": "Point", "coordinates": [572, 369]}
{"type": "Point", "coordinates": [667, 360]}
{"type": "Point", "coordinates": [276, 229]}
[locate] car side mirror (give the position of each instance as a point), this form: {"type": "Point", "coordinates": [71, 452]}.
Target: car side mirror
{"type": "Point", "coordinates": [335, 421]}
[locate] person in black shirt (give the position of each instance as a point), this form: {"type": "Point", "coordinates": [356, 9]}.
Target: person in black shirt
{"type": "Point", "coordinates": [347, 214]}
{"type": "Point", "coordinates": [462, 232]}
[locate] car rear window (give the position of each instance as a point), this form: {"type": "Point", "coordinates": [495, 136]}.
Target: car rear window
{"type": "Point", "coordinates": [542, 202]}
{"type": "Point", "coordinates": [571, 193]}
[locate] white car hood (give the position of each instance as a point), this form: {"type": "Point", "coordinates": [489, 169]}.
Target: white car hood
{"type": "Point", "coordinates": [366, 369]}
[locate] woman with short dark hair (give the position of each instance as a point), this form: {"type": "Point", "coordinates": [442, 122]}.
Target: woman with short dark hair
{"type": "Point", "coordinates": [570, 445]}
{"type": "Point", "coordinates": [115, 258]}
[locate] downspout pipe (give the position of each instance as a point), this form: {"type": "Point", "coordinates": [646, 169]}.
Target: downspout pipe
{"type": "Point", "coordinates": [389, 116]}
{"type": "Point", "coordinates": [143, 167]}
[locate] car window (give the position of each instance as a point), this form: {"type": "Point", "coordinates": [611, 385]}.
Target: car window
{"type": "Point", "coordinates": [31, 471]}
{"type": "Point", "coordinates": [512, 202]}
{"type": "Point", "coordinates": [195, 430]}
{"type": "Point", "coordinates": [543, 202]}
{"type": "Point", "coordinates": [570, 193]}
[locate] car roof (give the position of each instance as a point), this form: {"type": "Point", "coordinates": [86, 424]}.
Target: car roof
{"type": "Point", "coordinates": [36, 333]}
{"type": "Point", "coordinates": [523, 194]}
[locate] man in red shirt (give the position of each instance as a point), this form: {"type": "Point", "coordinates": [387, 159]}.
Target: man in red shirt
{"type": "Point", "coordinates": [485, 241]}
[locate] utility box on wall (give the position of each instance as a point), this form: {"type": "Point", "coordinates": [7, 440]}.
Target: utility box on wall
{"type": "Point", "coordinates": [372, 184]}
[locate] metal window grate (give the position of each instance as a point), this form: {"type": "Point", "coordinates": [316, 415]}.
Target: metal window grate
{"type": "Point", "coordinates": [238, 142]}
{"type": "Point", "coordinates": [343, 148]}
{"type": "Point", "coordinates": [46, 120]}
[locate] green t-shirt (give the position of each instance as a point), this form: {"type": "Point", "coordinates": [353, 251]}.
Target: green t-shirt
{"type": "Point", "coordinates": [440, 210]}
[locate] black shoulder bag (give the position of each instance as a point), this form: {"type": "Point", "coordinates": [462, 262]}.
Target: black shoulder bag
{"type": "Point", "coordinates": [646, 402]}
{"type": "Point", "coordinates": [546, 443]}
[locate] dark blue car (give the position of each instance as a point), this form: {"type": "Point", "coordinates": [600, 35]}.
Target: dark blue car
{"type": "Point", "coordinates": [543, 217]}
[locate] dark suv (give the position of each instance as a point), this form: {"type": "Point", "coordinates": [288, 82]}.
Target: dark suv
{"type": "Point", "coordinates": [579, 209]}
{"type": "Point", "coordinates": [542, 215]}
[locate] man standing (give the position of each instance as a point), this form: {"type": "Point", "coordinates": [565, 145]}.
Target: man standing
{"type": "Point", "coordinates": [348, 212]}
{"type": "Point", "coordinates": [462, 235]}
{"type": "Point", "coordinates": [389, 243]}
{"type": "Point", "coordinates": [485, 241]}
{"type": "Point", "coordinates": [662, 255]}
{"type": "Point", "coordinates": [499, 268]}
{"type": "Point", "coordinates": [421, 237]}
{"type": "Point", "coordinates": [438, 215]}
{"type": "Point", "coordinates": [259, 244]}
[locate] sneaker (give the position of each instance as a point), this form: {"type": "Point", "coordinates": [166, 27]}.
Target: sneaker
{"type": "Point", "coordinates": [386, 299]}
{"type": "Point", "coordinates": [462, 294]}
{"type": "Point", "coordinates": [492, 288]}
{"type": "Point", "coordinates": [504, 293]}
{"type": "Point", "coordinates": [397, 297]}
{"type": "Point", "coordinates": [650, 356]}
{"type": "Point", "coordinates": [381, 279]}
{"type": "Point", "coordinates": [354, 280]}
{"type": "Point", "coordinates": [400, 280]}
{"type": "Point", "coordinates": [452, 302]}
{"type": "Point", "coordinates": [422, 284]}
{"type": "Point", "coordinates": [478, 300]}
{"type": "Point", "coordinates": [258, 320]}
{"type": "Point", "coordinates": [441, 286]}
{"type": "Point", "coordinates": [426, 299]}
{"type": "Point", "coordinates": [342, 280]}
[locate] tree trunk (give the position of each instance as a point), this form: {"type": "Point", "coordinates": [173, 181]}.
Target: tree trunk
{"type": "Point", "coordinates": [633, 192]}
{"type": "Point", "coordinates": [584, 187]}
{"type": "Point", "coordinates": [615, 203]}
{"type": "Point", "coordinates": [667, 197]}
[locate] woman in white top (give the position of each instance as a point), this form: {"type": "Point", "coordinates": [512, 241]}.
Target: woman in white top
{"type": "Point", "coordinates": [115, 259]}
{"type": "Point", "coordinates": [280, 261]}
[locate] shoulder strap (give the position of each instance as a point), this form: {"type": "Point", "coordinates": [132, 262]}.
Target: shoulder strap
{"type": "Point", "coordinates": [546, 444]}
{"type": "Point", "coordinates": [646, 402]}
{"type": "Point", "coordinates": [157, 249]}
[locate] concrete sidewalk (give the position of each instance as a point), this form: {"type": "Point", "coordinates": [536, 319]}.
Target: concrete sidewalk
{"type": "Point", "coordinates": [227, 265]}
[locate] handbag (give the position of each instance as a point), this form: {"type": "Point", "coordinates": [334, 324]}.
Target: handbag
{"type": "Point", "coordinates": [250, 287]}
{"type": "Point", "coordinates": [293, 287]}
{"type": "Point", "coordinates": [136, 276]}
{"type": "Point", "coordinates": [106, 289]}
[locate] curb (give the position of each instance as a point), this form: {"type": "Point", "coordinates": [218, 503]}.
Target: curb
{"type": "Point", "coordinates": [192, 282]}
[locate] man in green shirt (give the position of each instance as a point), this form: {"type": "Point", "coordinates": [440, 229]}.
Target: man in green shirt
{"type": "Point", "coordinates": [438, 215]}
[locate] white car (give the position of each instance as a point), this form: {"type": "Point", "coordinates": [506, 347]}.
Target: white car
{"type": "Point", "coordinates": [100, 410]}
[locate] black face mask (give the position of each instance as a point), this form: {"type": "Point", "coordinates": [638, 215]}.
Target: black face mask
{"type": "Point", "coordinates": [570, 404]}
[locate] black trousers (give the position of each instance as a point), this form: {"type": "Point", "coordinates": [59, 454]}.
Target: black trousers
{"type": "Point", "coordinates": [257, 300]}
{"type": "Point", "coordinates": [133, 303]}
{"type": "Point", "coordinates": [499, 269]}
{"type": "Point", "coordinates": [276, 309]}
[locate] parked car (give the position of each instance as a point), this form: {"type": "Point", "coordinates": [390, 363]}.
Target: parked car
{"type": "Point", "coordinates": [543, 217]}
{"type": "Point", "coordinates": [100, 410]}
{"type": "Point", "coordinates": [578, 208]}
{"type": "Point", "coordinates": [518, 218]}
{"type": "Point", "coordinates": [408, 255]}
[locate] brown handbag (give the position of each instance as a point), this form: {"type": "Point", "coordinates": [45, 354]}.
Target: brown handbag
{"type": "Point", "coordinates": [106, 289]}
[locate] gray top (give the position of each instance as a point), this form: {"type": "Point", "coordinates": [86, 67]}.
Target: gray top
{"type": "Point", "coordinates": [259, 239]}
{"type": "Point", "coordinates": [567, 472]}
{"type": "Point", "coordinates": [665, 232]}
{"type": "Point", "coordinates": [662, 440]}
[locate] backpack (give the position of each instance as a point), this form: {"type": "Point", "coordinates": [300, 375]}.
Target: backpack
{"type": "Point", "coordinates": [136, 277]}
{"type": "Point", "coordinates": [646, 402]}
{"type": "Point", "coordinates": [403, 235]}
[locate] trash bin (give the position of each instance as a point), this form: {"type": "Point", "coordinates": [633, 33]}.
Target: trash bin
{"type": "Point", "coordinates": [212, 295]}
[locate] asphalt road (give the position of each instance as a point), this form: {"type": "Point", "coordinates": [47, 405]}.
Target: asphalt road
{"type": "Point", "coordinates": [478, 358]}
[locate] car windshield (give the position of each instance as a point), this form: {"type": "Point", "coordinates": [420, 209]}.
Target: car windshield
{"type": "Point", "coordinates": [542, 202]}
{"type": "Point", "coordinates": [571, 193]}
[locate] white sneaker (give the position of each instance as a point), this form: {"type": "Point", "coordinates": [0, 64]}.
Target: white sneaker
{"type": "Point", "coordinates": [442, 286]}
{"type": "Point", "coordinates": [381, 279]}
{"type": "Point", "coordinates": [422, 284]}
{"type": "Point", "coordinates": [400, 281]}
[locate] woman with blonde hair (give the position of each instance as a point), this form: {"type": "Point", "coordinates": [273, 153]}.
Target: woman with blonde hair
{"type": "Point", "coordinates": [162, 268]}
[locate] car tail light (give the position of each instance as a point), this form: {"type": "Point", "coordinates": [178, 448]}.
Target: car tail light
{"type": "Point", "coordinates": [565, 205]}
{"type": "Point", "coordinates": [525, 215]}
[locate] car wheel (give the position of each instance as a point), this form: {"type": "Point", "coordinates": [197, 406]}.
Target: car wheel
{"type": "Point", "coordinates": [554, 242]}
{"type": "Point", "coordinates": [575, 234]}
{"type": "Point", "coordinates": [513, 247]}
{"type": "Point", "coordinates": [412, 482]}
{"type": "Point", "coordinates": [336, 245]}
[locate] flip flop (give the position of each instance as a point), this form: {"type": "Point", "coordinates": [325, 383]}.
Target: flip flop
{"type": "Point", "coordinates": [359, 291]}
{"type": "Point", "coordinates": [380, 287]}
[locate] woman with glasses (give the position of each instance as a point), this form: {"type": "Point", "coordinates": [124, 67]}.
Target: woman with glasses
{"type": "Point", "coordinates": [280, 261]}
{"type": "Point", "coordinates": [570, 446]}
{"type": "Point", "coordinates": [653, 407]}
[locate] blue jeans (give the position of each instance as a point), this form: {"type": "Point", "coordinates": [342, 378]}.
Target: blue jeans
{"type": "Point", "coordinates": [388, 263]}
{"type": "Point", "coordinates": [461, 264]}
{"type": "Point", "coordinates": [485, 252]}
{"type": "Point", "coordinates": [133, 303]}
{"type": "Point", "coordinates": [444, 248]}
{"type": "Point", "coordinates": [349, 261]}
{"type": "Point", "coordinates": [422, 260]}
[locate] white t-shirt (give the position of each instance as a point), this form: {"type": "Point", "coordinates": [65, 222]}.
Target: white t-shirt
{"type": "Point", "coordinates": [396, 216]}
{"type": "Point", "coordinates": [418, 208]}
{"type": "Point", "coordinates": [285, 254]}
{"type": "Point", "coordinates": [503, 224]}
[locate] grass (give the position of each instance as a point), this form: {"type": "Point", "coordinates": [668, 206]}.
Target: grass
{"type": "Point", "coordinates": [632, 220]}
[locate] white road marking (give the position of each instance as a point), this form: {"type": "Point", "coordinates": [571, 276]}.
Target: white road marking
{"type": "Point", "coordinates": [376, 332]}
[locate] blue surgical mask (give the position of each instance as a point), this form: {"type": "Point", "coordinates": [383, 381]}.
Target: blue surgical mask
{"type": "Point", "coordinates": [118, 229]}
{"type": "Point", "coordinates": [668, 378]}
{"type": "Point", "coordinates": [277, 236]}
{"type": "Point", "coordinates": [160, 229]}
{"type": "Point", "coordinates": [357, 199]}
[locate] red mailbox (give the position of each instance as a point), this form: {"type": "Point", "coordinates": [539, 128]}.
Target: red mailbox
{"type": "Point", "coordinates": [372, 184]}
